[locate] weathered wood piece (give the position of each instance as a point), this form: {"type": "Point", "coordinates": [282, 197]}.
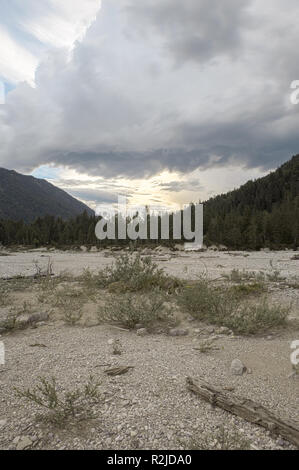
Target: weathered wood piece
{"type": "Point", "coordinates": [118, 370]}
{"type": "Point", "coordinates": [247, 409]}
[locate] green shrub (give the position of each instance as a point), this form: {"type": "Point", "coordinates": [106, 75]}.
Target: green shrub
{"type": "Point", "coordinates": [61, 407]}
{"type": "Point", "coordinates": [223, 308]}
{"type": "Point", "coordinates": [238, 276]}
{"type": "Point", "coordinates": [134, 273]}
{"type": "Point", "coordinates": [207, 303]}
{"type": "Point", "coordinates": [70, 303]}
{"type": "Point", "coordinates": [129, 310]}
{"type": "Point", "coordinates": [251, 319]}
{"type": "Point", "coordinates": [245, 290]}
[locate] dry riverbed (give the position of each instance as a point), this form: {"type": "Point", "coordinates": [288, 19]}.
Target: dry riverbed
{"type": "Point", "coordinates": [149, 406]}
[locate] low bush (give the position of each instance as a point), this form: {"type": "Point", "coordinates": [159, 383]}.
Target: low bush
{"type": "Point", "coordinates": [60, 406]}
{"type": "Point", "coordinates": [134, 273]}
{"type": "Point", "coordinates": [130, 309]}
{"type": "Point", "coordinates": [223, 308]}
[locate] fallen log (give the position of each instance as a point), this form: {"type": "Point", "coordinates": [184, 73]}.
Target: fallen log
{"type": "Point", "coordinates": [247, 409]}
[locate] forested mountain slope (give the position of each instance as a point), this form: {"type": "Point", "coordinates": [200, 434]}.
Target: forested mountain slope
{"type": "Point", "coordinates": [264, 212]}
{"type": "Point", "coordinates": [26, 198]}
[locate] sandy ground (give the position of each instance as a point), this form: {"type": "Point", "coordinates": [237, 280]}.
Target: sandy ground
{"type": "Point", "coordinates": [179, 264]}
{"type": "Point", "coordinates": [150, 406]}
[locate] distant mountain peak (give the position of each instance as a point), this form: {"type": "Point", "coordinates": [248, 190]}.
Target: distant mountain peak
{"type": "Point", "coordinates": [23, 197]}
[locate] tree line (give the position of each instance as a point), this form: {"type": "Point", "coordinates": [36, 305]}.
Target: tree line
{"type": "Point", "coordinates": [262, 213]}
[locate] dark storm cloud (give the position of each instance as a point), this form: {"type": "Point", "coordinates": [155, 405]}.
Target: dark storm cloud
{"type": "Point", "coordinates": [198, 30]}
{"type": "Point", "coordinates": [119, 107]}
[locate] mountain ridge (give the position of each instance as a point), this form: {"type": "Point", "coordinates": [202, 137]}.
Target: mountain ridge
{"type": "Point", "coordinates": [263, 212]}
{"type": "Point", "coordinates": [24, 197]}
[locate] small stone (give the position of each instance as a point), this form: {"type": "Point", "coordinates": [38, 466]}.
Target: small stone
{"type": "Point", "coordinates": [223, 330]}
{"type": "Point", "coordinates": [23, 443]}
{"type": "Point", "coordinates": [237, 367]}
{"type": "Point", "coordinates": [39, 317]}
{"type": "Point", "coordinates": [282, 443]}
{"type": "Point", "coordinates": [209, 329]}
{"type": "Point", "coordinates": [22, 321]}
{"type": "Point", "coordinates": [178, 332]}
{"type": "Point", "coordinates": [139, 326]}
{"type": "Point", "coordinates": [111, 342]}
{"type": "Point", "coordinates": [142, 332]}
{"type": "Point", "coordinates": [3, 423]}
{"type": "Point", "coordinates": [133, 433]}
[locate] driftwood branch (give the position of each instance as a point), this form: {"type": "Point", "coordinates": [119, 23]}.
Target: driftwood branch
{"type": "Point", "coordinates": [246, 409]}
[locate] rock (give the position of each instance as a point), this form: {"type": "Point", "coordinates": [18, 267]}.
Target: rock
{"type": "Point", "coordinates": [25, 320]}
{"type": "Point", "coordinates": [146, 252]}
{"type": "Point", "coordinates": [3, 423]}
{"type": "Point", "coordinates": [39, 317]}
{"type": "Point", "coordinates": [223, 330]}
{"type": "Point", "coordinates": [93, 249]}
{"type": "Point", "coordinates": [141, 332]}
{"type": "Point", "coordinates": [22, 321]}
{"type": "Point", "coordinates": [209, 329]}
{"type": "Point", "coordinates": [111, 342]}
{"type": "Point", "coordinates": [282, 443]}
{"type": "Point", "coordinates": [197, 331]}
{"type": "Point", "coordinates": [23, 443]}
{"type": "Point", "coordinates": [191, 319]}
{"type": "Point", "coordinates": [178, 332]}
{"type": "Point", "coordinates": [237, 367]}
{"type": "Point", "coordinates": [222, 248]}
{"type": "Point", "coordinates": [83, 248]}
{"type": "Point", "coordinates": [179, 247]}
{"type": "Point", "coordinates": [138, 326]}
{"type": "Point", "coordinates": [213, 248]}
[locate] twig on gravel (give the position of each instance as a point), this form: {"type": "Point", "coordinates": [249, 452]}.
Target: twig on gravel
{"type": "Point", "coordinates": [118, 370]}
{"type": "Point", "coordinates": [119, 328]}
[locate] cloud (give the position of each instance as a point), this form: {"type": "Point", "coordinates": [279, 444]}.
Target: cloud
{"type": "Point", "coordinates": [205, 85]}
{"type": "Point", "coordinates": [28, 29]}
{"type": "Point", "coordinates": [13, 58]}
{"type": "Point", "coordinates": [95, 196]}
{"type": "Point", "coordinates": [196, 30]}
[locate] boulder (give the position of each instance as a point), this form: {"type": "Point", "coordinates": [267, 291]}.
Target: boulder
{"type": "Point", "coordinates": [178, 332]}
{"type": "Point", "coordinates": [237, 367]}
{"type": "Point", "coordinates": [142, 332]}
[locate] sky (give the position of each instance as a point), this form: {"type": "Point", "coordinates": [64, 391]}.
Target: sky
{"type": "Point", "coordinates": [166, 101]}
